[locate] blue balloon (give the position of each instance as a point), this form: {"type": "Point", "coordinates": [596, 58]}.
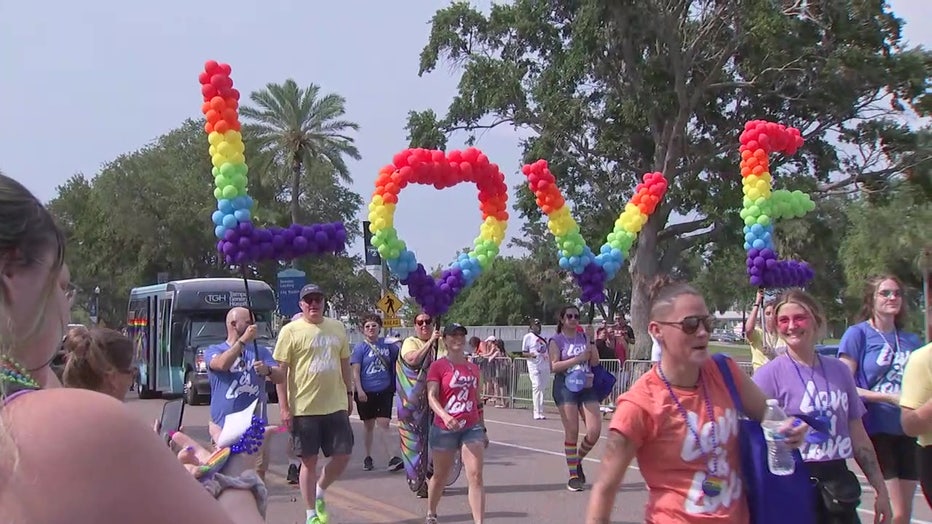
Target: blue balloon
{"type": "Point", "coordinates": [229, 221]}
{"type": "Point", "coordinates": [225, 205]}
{"type": "Point", "coordinates": [242, 215]}
{"type": "Point", "coordinates": [217, 217]}
{"type": "Point", "coordinates": [220, 231]}
{"type": "Point", "coordinates": [759, 244]}
{"type": "Point", "coordinates": [757, 229]}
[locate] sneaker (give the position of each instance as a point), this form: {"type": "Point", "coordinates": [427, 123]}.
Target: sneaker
{"type": "Point", "coordinates": [367, 464]}
{"type": "Point", "coordinates": [431, 519]}
{"type": "Point", "coordinates": [580, 473]}
{"type": "Point", "coordinates": [422, 492]}
{"type": "Point", "coordinates": [574, 484]}
{"type": "Point", "coordinates": [395, 464]}
{"type": "Point", "coordinates": [293, 471]}
{"type": "Point", "coordinates": [313, 520]}
{"type": "Point", "coordinates": [322, 516]}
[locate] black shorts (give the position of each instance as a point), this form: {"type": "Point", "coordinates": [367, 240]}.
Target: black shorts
{"type": "Point", "coordinates": [377, 405]}
{"type": "Point", "coordinates": [898, 456]}
{"type": "Point", "coordinates": [330, 434]}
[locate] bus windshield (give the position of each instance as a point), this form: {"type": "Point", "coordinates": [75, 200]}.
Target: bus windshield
{"type": "Point", "coordinates": [210, 328]}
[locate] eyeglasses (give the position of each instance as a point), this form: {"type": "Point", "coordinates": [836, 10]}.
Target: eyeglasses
{"type": "Point", "coordinates": [571, 316]}
{"type": "Point", "coordinates": [890, 293]}
{"type": "Point", "coordinates": [371, 326]}
{"type": "Point", "coordinates": [691, 324]}
{"type": "Point", "coordinates": [423, 321]}
{"type": "Point", "coordinates": [797, 320]}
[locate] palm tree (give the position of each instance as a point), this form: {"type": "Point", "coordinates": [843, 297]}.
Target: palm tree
{"type": "Point", "coordinates": [299, 128]}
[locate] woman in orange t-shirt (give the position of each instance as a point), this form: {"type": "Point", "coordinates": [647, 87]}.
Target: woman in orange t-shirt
{"type": "Point", "coordinates": [678, 419]}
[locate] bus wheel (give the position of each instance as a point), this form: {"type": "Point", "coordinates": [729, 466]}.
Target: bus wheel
{"type": "Point", "coordinates": [190, 391]}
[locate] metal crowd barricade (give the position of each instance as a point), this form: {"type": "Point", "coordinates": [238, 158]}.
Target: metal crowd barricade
{"type": "Point", "coordinates": [512, 384]}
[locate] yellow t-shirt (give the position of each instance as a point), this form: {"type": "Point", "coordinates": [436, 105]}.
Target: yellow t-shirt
{"type": "Point", "coordinates": [415, 344]}
{"type": "Point", "coordinates": [757, 339]}
{"type": "Point", "coordinates": [917, 384]}
{"type": "Point", "coordinates": [314, 355]}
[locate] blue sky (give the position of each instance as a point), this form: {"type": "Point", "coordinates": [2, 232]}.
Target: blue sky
{"type": "Point", "coordinates": [85, 82]}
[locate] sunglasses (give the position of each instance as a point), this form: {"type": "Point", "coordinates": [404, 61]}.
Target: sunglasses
{"type": "Point", "coordinates": [570, 316]}
{"type": "Point", "coordinates": [798, 320]}
{"type": "Point", "coordinates": [371, 326]}
{"type": "Point", "coordinates": [690, 325]}
{"type": "Point", "coordinates": [423, 321]}
{"type": "Point", "coordinates": [313, 299]}
{"type": "Point", "coordinates": [890, 293]}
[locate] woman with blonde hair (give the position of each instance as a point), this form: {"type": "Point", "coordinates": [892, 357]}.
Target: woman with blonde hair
{"type": "Point", "coordinates": [99, 359]}
{"type": "Point", "coordinates": [804, 382]}
{"type": "Point", "coordinates": [681, 423]}
{"type": "Point", "coordinates": [126, 474]}
{"type": "Point", "coordinates": [876, 350]}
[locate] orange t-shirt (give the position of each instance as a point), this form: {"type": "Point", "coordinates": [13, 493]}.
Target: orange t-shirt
{"type": "Point", "coordinates": [672, 464]}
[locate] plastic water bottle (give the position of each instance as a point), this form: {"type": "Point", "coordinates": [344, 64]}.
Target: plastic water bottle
{"type": "Point", "coordinates": [779, 455]}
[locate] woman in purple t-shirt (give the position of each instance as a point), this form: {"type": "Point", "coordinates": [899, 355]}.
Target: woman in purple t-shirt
{"type": "Point", "coordinates": [806, 383]}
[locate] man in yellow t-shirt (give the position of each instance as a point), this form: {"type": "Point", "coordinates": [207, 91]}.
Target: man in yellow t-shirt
{"type": "Point", "coordinates": [317, 396]}
{"type": "Point", "coordinates": [916, 416]}
{"type": "Point", "coordinates": [765, 343]}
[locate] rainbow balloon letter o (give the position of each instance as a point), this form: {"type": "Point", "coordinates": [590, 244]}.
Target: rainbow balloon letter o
{"type": "Point", "coordinates": [593, 271]}
{"type": "Point", "coordinates": [239, 241]}
{"type": "Point", "coordinates": [442, 170]}
{"type": "Point", "coordinates": [763, 205]}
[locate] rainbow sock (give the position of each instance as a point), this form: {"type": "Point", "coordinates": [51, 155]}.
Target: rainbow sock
{"type": "Point", "coordinates": [572, 457]}
{"type": "Point", "coordinates": [585, 447]}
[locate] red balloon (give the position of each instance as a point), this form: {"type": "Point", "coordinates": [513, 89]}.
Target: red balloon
{"type": "Point", "coordinates": [211, 67]}
{"type": "Point", "coordinates": [208, 91]}
{"type": "Point", "coordinates": [218, 81]}
{"type": "Point", "coordinates": [226, 69]}
{"type": "Point", "coordinates": [204, 78]}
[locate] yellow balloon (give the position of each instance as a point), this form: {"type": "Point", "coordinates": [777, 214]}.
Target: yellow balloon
{"type": "Point", "coordinates": [214, 138]}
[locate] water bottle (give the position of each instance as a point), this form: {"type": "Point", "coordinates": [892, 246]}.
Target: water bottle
{"type": "Point", "coordinates": [779, 455]}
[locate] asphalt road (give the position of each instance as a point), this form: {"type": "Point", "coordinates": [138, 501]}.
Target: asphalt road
{"type": "Point", "coordinates": [525, 478]}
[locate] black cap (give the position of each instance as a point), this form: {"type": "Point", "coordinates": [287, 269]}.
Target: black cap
{"type": "Point", "coordinates": [311, 289]}
{"type": "Point", "coordinates": [452, 329]}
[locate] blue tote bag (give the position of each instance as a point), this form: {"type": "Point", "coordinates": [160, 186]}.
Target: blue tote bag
{"type": "Point", "coordinates": [772, 499]}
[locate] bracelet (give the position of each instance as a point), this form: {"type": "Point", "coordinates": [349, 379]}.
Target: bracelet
{"type": "Point", "coordinates": [249, 481]}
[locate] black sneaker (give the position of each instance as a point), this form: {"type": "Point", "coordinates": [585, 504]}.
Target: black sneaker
{"type": "Point", "coordinates": [580, 473]}
{"type": "Point", "coordinates": [422, 492]}
{"type": "Point", "coordinates": [293, 471]}
{"type": "Point", "coordinates": [395, 464]}
{"type": "Point", "coordinates": [575, 484]}
{"type": "Point", "coordinates": [367, 464]}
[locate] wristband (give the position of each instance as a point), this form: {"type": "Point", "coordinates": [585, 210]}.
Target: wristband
{"type": "Point", "coordinates": [249, 481]}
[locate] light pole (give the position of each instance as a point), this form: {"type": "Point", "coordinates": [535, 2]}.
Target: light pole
{"type": "Point", "coordinates": [94, 306]}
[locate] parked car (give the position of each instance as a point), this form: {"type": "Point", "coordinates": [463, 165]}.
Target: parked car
{"type": "Point", "coordinates": [724, 335]}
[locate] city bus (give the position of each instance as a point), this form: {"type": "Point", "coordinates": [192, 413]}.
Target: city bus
{"type": "Point", "coordinates": [172, 324]}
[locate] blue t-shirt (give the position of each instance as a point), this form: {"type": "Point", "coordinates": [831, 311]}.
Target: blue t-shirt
{"type": "Point", "coordinates": [881, 358]}
{"type": "Point", "coordinates": [236, 389]}
{"type": "Point", "coordinates": [375, 377]}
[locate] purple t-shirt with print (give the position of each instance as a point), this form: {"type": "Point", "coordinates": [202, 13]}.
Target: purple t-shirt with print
{"type": "Point", "coordinates": [827, 390]}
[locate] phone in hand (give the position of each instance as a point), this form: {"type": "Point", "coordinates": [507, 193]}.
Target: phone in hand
{"type": "Point", "coordinates": [172, 414]}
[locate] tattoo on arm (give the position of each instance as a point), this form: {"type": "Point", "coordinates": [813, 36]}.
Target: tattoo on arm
{"type": "Point", "coordinates": [867, 460]}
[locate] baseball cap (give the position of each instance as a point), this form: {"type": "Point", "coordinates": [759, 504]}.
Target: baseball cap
{"type": "Point", "coordinates": [311, 289]}
{"type": "Point", "coordinates": [490, 338]}
{"type": "Point", "coordinates": [452, 329]}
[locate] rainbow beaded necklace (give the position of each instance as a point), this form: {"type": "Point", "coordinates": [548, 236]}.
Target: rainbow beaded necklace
{"type": "Point", "coordinates": [12, 372]}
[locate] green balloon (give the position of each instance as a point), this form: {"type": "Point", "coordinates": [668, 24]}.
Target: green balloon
{"type": "Point", "coordinates": [229, 192]}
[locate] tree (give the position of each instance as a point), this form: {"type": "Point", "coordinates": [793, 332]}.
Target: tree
{"type": "Point", "coordinates": [501, 296]}
{"type": "Point", "coordinates": [298, 128]}
{"type": "Point", "coordinates": [612, 89]}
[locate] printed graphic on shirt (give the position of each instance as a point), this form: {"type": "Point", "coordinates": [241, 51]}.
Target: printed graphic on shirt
{"type": "Point", "coordinates": [244, 384]}
{"type": "Point", "coordinates": [726, 428]}
{"type": "Point", "coordinates": [892, 380]}
{"type": "Point", "coordinates": [460, 386]}
{"type": "Point", "coordinates": [324, 354]}
{"type": "Point", "coordinates": [831, 404]}
{"type": "Point", "coordinates": [376, 366]}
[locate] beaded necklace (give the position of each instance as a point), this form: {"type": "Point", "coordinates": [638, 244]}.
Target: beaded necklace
{"type": "Point", "coordinates": [13, 372]}
{"type": "Point", "coordinates": [712, 485]}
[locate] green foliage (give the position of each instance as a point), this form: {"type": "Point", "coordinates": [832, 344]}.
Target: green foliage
{"type": "Point", "coordinates": [613, 89]}
{"type": "Point", "coordinates": [502, 295]}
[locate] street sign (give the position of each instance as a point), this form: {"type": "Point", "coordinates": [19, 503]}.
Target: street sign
{"type": "Point", "coordinates": [290, 282]}
{"type": "Point", "coordinates": [389, 304]}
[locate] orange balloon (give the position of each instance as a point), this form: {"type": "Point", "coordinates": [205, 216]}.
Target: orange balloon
{"type": "Point", "coordinates": [390, 199]}
{"type": "Point", "coordinates": [208, 128]}
{"type": "Point", "coordinates": [546, 209]}
{"type": "Point", "coordinates": [236, 126]}
{"type": "Point", "coordinates": [217, 103]}
{"type": "Point", "coordinates": [758, 170]}
{"type": "Point", "coordinates": [229, 115]}
{"type": "Point", "coordinates": [222, 126]}
{"type": "Point", "coordinates": [212, 116]}
{"type": "Point", "coordinates": [205, 107]}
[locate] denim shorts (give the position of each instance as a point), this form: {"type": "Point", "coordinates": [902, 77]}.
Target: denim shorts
{"type": "Point", "coordinates": [562, 395]}
{"type": "Point", "coordinates": [447, 440]}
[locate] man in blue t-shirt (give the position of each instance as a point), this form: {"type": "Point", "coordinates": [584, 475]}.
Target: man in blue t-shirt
{"type": "Point", "coordinates": [237, 370]}
{"type": "Point", "coordinates": [373, 364]}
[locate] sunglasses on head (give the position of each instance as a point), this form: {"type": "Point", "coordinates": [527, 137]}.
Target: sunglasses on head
{"type": "Point", "coordinates": [690, 325]}
{"type": "Point", "coordinates": [423, 321]}
{"type": "Point", "coordinates": [890, 293]}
